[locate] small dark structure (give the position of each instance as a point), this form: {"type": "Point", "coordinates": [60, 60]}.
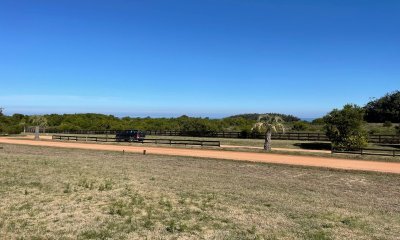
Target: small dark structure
{"type": "Point", "coordinates": [130, 136]}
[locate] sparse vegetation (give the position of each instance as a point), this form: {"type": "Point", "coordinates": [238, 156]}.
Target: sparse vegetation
{"type": "Point", "coordinates": [176, 197]}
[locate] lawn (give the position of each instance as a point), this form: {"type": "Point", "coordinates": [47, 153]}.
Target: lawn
{"type": "Point", "coordinates": [50, 193]}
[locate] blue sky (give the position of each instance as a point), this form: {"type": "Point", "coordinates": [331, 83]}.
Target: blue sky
{"type": "Point", "coordinates": [200, 58]}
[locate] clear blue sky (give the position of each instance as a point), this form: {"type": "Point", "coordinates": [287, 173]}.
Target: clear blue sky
{"type": "Point", "coordinates": [200, 58]}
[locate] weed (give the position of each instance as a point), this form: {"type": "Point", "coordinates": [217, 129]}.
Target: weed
{"type": "Point", "coordinates": [175, 226]}
{"type": "Point", "coordinates": [106, 185]}
{"type": "Point", "coordinates": [85, 183]}
{"type": "Point", "coordinates": [318, 235]}
{"type": "Point", "coordinates": [102, 234]}
{"type": "Point", "coordinates": [67, 188]}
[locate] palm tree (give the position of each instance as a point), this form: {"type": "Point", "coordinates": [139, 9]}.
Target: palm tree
{"type": "Point", "coordinates": [269, 124]}
{"type": "Point", "coordinates": [39, 121]}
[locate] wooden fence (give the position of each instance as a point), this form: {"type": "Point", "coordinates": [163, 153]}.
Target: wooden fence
{"type": "Point", "coordinates": [153, 141]}
{"type": "Point", "coordinates": [370, 151]}
{"type": "Point", "coordinates": [302, 136]}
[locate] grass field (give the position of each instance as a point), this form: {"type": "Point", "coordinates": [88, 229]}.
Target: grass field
{"type": "Point", "coordinates": [50, 193]}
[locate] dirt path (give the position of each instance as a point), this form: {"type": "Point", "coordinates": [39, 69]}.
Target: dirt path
{"type": "Point", "coordinates": [388, 167]}
{"type": "Point", "coordinates": [278, 149]}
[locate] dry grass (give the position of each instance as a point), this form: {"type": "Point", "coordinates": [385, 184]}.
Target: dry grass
{"type": "Point", "coordinates": [50, 193]}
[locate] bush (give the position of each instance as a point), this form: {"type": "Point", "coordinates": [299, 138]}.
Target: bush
{"type": "Point", "coordinates": [344, 127]}
{"type": "Point", "coordinates": [318, 121]}
{"type": "Point", "coordinates": [14, 129]}
{"type": "Point", "coordinates": [353, 142]}
{"type": "Point", "coordinates": [245, 133]}
{"type": "Point", "coordinates": [386, 108]}
{"type": "Point", "coordinates": [387, 124]}
{"type": "Point", "coordinates": [300, 126]}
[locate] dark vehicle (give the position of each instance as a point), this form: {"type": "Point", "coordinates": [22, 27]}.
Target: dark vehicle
{"type": "Point", "coordinates": [130, 136]}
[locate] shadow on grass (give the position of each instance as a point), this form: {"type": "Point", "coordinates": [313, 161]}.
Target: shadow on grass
{"type": "Point", "coordinates": [314, 146]}
{"type": "Point", "coordinates": [397, 146]}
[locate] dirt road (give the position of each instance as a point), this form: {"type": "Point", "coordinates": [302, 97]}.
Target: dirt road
{"type": "Point", "coordinates": [387, 167]}
{"type": "Point", "coordinates": [278, 149]}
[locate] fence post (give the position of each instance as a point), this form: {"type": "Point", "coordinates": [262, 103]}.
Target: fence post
{"type": "Point", "coordinates": [361, 151]}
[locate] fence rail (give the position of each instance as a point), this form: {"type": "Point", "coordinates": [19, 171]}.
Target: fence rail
{"type": "Point", "coordinates": [303, 136]}
{"type": "Point", "coordinates": [370, 151]}
{"type": "Point", "coordinates": [154, 141]}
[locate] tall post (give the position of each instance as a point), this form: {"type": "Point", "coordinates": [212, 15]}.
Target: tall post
{"type": "Point", "coordinates": [37, 133]}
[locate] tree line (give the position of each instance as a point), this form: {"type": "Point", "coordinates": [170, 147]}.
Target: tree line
{"type": "Point", "coordinates": [93, 121]}
{"type": "Point", "coordinates": [385, 109]}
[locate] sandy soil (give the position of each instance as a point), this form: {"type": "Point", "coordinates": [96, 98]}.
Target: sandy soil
{"type": "Point", "coordinates": [222, 146]}
{"type": "Point", "coordinates": [388, 167]}
{"type": "Point", "coordinates": [278, 149]}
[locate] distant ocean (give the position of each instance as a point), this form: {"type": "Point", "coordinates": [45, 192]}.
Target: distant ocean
{"type": "Point", "coordinates": [308, 119]}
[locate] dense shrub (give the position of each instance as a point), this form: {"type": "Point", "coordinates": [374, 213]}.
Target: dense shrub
{"type": "Point", "coordinates": [300, 126]}
{"type": "Point", "coordinates": [14, 129]}
{"type": "Point", "coordinates": [318, 121]}
{"type": "Point", "coordinates": [254, 116]}
{"type": "Point", "coordinates": [386, 108]}
{"type": "Point", "coordinates": [344, 127]}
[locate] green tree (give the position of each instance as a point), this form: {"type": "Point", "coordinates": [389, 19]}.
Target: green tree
{"type": "Point", "coordinates": [267, 124]}
{"type": "Point", "coordinates": [344, 127]}
{"type": "Point", "coordinates": [386, 108]}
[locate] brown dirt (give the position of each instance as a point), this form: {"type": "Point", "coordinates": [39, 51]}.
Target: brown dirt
{"type": "Point", "coordinates": [388, 167]}
{"type": "Point", "coordinates": [278, 149]}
